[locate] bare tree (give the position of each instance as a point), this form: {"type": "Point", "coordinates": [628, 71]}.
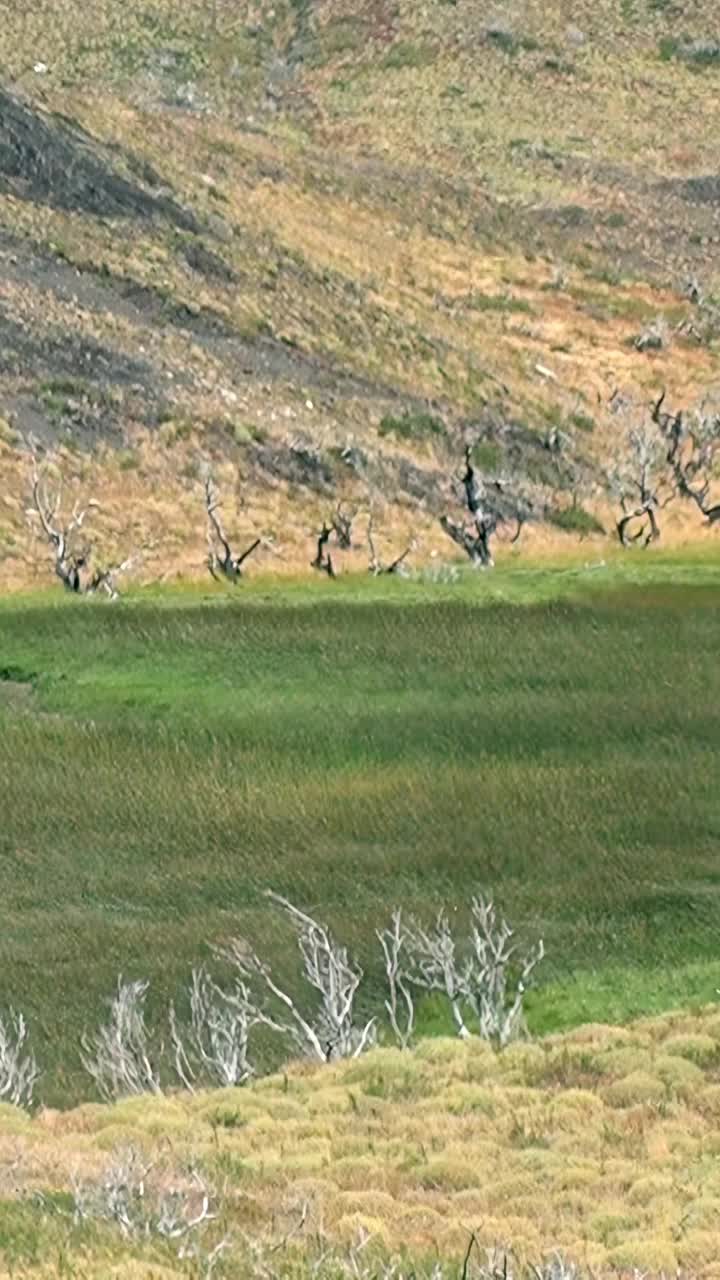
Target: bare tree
{"type": "Point", "coordinates": [18, 1067]}
{"type": "Point", "coordinates": [489, 504]}
{"type": "Point", "coordinates": [342, 526]}
{"type": "Point", "coordinates": [332, 1033]}
{"type": "Point", "coordinates": [642, 483]}
{"type": "Point", "coordinates": [215, 1045]}
{"type": "Point", "coordinates": [399, 1005]}
{"type": "Point", "coordinates": [118, 1056]}
{"type": "Point", "coordinates": [693, 454]}
{"type": "Point", "coordinates": [70, 550]}
{"type": "Point", "coordinates": [222, 563]}
{"type": "Point", "coordinates": [323, 559]}
{"type": "Point", "coordinates": [376, 566]}
{"type": "Point", "coordinates": [483, 973]}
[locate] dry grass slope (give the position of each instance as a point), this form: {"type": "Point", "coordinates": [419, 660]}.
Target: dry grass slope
{"type": "Point", "coordinates": [235, 229]}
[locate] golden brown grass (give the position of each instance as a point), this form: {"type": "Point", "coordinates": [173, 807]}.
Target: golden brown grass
{"type": "Point", "coordinates": [601, 1142]}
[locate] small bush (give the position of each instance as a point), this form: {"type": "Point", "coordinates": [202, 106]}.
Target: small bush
{"type": "Point", "coordinates": [681, 1077]}
{"type": "Point", "coordinates": [509, 43]}
{"type": "Point", "coordinates": [487, 456]}
{"type": "Point", "coordinates": [636, 1088]}
{"type": "Point", "coordinates": [498, 302]}
{"type": "Point", "coordinates": [582, 421]}
{"type": "Point", "coordinates": [576, 520]}
{"type": "Point", "coordinates": [699, 1049]}
{"type": "Point", "coordinates": [697, 54]}
{"type": "Point", "coordinates": [412, 426]}
{"type": "Point", "coordinates": [404, 55]}
{"type": "Point", "coordinates": [7, 434]}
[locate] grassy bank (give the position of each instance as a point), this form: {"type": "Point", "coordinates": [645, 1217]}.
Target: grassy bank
{"type": "Point", "coordinates": [165, 761]}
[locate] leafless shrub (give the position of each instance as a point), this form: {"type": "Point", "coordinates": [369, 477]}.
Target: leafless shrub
{"type": "Point", "coordinates": [332, 1033]}
{"type": "Point", "coordinates": [214, 1047]}
{"type": "Point", "coordinates": [145, 1202]}
{"type": "Point", "coordinates": [399, 1004]}
{"type": "Point", "coordinates": [483, 973]}
{"type": "Point", "coordinates": [18, 1067]}
{"type": "Point", "coordinates": [363, 1260]}
{"type": "Point", "coordinates": [654, 337]}
{"type": "Point", "coordinates": [118, 1057]}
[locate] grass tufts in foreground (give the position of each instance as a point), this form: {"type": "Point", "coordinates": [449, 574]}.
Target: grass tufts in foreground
{"type": "Point", "coordinates": [600, 1143]}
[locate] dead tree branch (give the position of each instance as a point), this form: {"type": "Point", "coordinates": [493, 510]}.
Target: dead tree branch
{"type": "Point", "coordinates": [482, 974]}
{"type": "Point", "coordinates": [118, 1056]}
{"type": "Point", "coordinates": [214, 1047]}
{"type": "Point", "coordinates": [342, 522]}
{"type": "Point", "coordinates": [323, 559]}
{"type": "Point", "coordinates": [222, 563]}
{"type": "Point", "coordinates": [332, 1033]}
{"type": "Point", "coordinates": [71, 554]}
{"type": "Point", "coordinates": [694, 455]}
{"type": "Point", "coordinates": [376, 566]}
{"type": "Point", "coordinates": [399, 1005]}
{"type": "Point", "coordinates": [642, 482]}
{"type": "Point", "coordinates": [489, 505]}
{"type": "Point", "coordinates": [18, 1067]}
{"type": "Point", "coordinates": [137, 1196]}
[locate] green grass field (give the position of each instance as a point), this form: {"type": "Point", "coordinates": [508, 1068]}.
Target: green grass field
{"type": "Point", "coordinates": [552, 736]}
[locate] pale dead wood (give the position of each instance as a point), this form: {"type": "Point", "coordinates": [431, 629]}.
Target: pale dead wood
{"type": "Point", "coordinates": [222, 562]}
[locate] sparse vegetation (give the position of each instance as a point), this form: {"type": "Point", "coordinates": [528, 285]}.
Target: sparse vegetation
{"type": "Point", "coordinates": [576, 520]}
{"type": "Point", "coordinates": [412, 426]}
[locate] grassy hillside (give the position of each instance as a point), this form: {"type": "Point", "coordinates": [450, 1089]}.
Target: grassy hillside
{"type": "Point", "coordinates": [255, 234]}
{"type": "Point", "coordinates": [165, 761]}
{"type": "Point", "coordinates": [601, 1144]}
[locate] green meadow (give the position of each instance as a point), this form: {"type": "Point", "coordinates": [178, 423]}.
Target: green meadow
{"type": "Point", "coordinates": [549, 735]}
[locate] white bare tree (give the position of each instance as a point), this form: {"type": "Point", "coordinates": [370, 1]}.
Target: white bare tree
{"type": "Point", "coordinates": [332, 1031]}
{"type": "Point", "coordinates": [119, 1056]}
{"type": "Point", "coordinates": [214, 1047]}
{"type": "Point", "coordinates": [71, 552]}
{"type": "Point", "coordinates": [377, 566]}
{"type": "Point", "coordinates": [222, 562]}
{"type": "Point", "coordinates": [18, 1067]}
{"type": "Point", "coordinates": [399, 1004]}
{"type": "Point", "coordinates": [641, 481]}
{"type": "Point", "coordinates": [483, 974]}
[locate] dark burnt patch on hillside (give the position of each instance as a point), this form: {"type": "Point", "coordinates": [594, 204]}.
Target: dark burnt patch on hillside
{"type": "Point", "coordinates": [49, 159]}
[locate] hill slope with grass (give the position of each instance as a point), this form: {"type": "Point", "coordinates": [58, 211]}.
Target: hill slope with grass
{"type": "Point", "coordinates": [316, 244]}
{"type": "Point", "coordinates": [600, 1144]}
